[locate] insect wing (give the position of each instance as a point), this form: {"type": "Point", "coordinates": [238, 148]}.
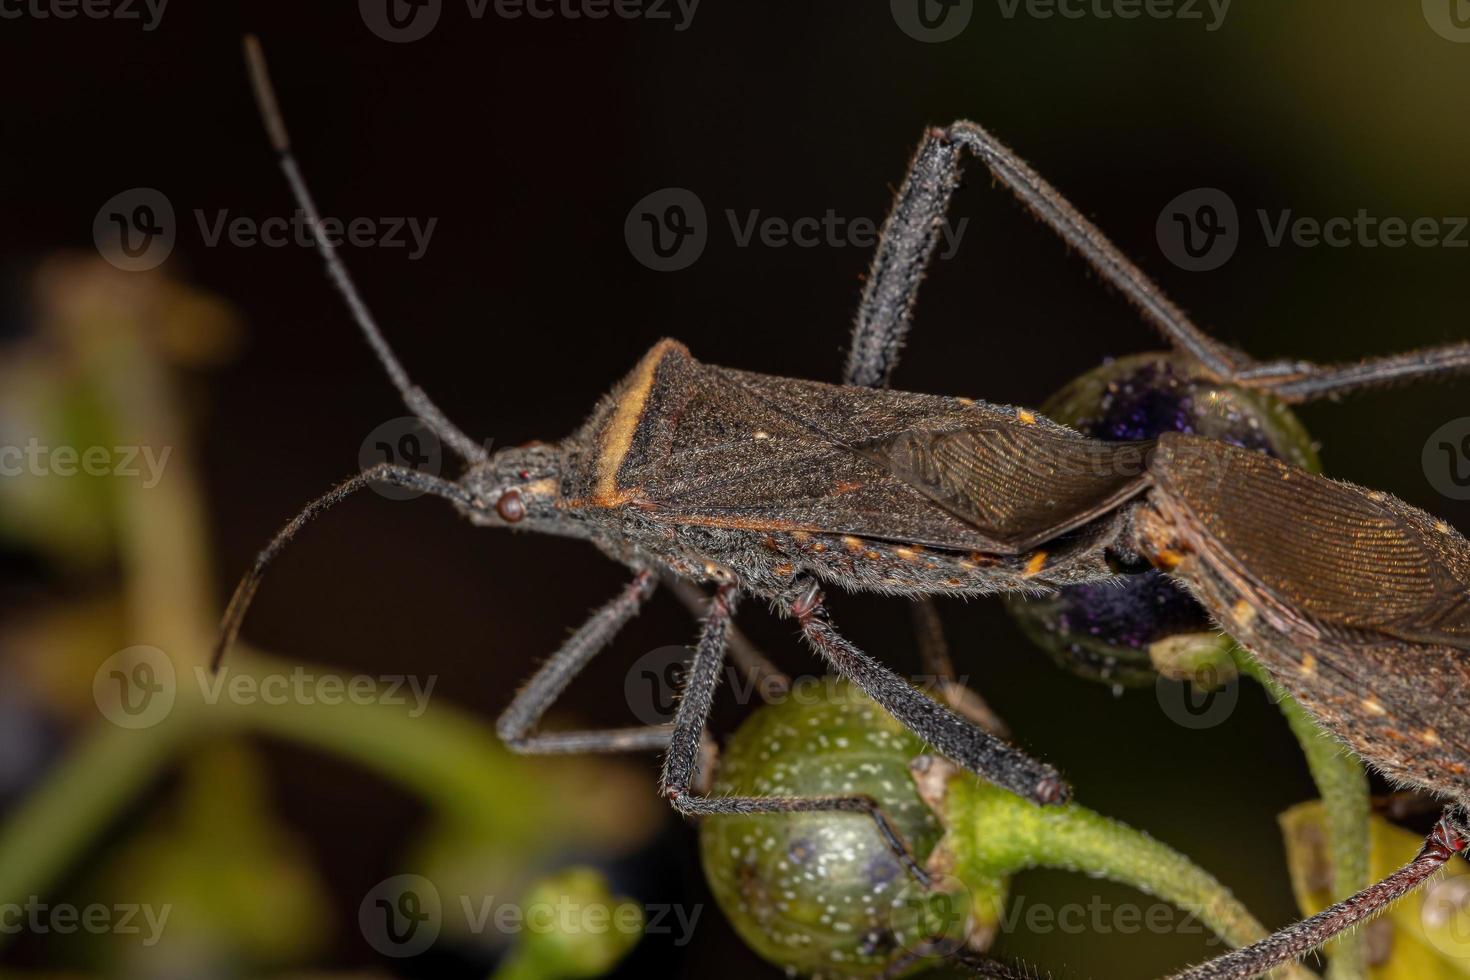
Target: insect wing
{"type": "Point", "coordinates": [1344, 558]}
{"type": "Point", "coordinates": [1019, 482]}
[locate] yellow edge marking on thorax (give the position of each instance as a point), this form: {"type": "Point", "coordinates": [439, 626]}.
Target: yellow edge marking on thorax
{"type": "Point", "coordinates": [617, 438]}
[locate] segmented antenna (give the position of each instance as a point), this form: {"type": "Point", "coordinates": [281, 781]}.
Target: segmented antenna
{"type": "Point", "coordinates": [399, 476]}
{"type": "Point", "coordinates": [413, 396]}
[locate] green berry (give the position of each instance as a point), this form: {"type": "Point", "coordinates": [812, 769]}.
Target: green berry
{"type": "Point", "coordinates": [822, 894]}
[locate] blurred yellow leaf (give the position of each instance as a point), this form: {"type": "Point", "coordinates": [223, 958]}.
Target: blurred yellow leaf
{"type": "Point", "coordinates": [1425, 935]}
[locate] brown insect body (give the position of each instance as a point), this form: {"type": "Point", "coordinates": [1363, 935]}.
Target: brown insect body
{"type": "Point", "coordinates": [770, 486]}
{"type": "Point", "coordinates": [720, 474]}
{"type": "Point", "coordinates": [1358, 603]}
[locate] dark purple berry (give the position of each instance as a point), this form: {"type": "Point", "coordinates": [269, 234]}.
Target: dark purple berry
{"type": "Point", "coordinates": [1103, 631]}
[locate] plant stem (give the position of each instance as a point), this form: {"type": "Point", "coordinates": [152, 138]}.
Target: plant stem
{"type": "Point", "coordinates": [1073, 838]}
{"type": "Point", "coordinates": [1343, 785]}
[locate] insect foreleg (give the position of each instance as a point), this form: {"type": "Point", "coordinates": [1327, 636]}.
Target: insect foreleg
{"type": "Point", "coordinates": [516, 726]}
{"type": "Point", "coordinates": [682, 762]}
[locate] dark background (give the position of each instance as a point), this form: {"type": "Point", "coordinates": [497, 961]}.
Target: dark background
{"type": "Point", "coordinates": [530, 140]}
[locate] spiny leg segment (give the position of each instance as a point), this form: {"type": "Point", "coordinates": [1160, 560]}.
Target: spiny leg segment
{"type": "Point", "coordinates": [911, 234]}
{"type": "Point", "coordinates": [1303, 937]}
{"type": "Point", "coordinates": [517, 724]}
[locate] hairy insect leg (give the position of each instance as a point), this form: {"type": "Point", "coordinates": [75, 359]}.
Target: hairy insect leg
{"type": "Point", "coordinates": [934, 655]}
{"type": "Point", "coordinates": [1303, 381]}
{"type": "Point", "coordinates": [912, 231]}
{"type": "Point", "coordinates": [1297, 940]}
{"type": "Point", "coordinates": [905, 248]}
{"type": "Point", "coordinates": [766, 677]}
{"type": "Point", "coordinates": [959, 740]}
{"type": "Point", "coordinates": [516, 725]}
{"type": "Point", "coordinates": [681, 765]}
{"type": "Point", "coordinates": [976, 964]}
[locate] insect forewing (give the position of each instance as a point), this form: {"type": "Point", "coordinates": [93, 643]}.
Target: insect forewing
{"type": "Point", "coordinates": [698, 444]}
{"type": "Point", "coordinates": [1357, 602]}
{"type": "Point", "coordinates": [1022, 483]}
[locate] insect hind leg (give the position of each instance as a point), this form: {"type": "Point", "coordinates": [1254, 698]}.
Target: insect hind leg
{"type": "Point", "coordinates": [911, 234]}
{"type": "Point", "coordinates": [1302, 381]}
{"type": "Point", "coordinates": [1295, 941]}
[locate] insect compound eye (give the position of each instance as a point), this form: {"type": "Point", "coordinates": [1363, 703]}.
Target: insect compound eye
{"type": "Point", "coordinates": [510, 507]}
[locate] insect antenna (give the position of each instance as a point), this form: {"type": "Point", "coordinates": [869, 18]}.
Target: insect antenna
{"type": "Point", "coordinates": [400, 476]}
{"type": "Point", "coordinates": [413, 396]}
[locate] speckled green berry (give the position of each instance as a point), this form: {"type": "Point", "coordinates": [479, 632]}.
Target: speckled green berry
{"type": "Point", "coordinates": [822, 894]}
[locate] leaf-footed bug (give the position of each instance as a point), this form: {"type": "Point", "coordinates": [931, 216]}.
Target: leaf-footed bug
{"type": "Point", "coordinates": [775, 487]}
